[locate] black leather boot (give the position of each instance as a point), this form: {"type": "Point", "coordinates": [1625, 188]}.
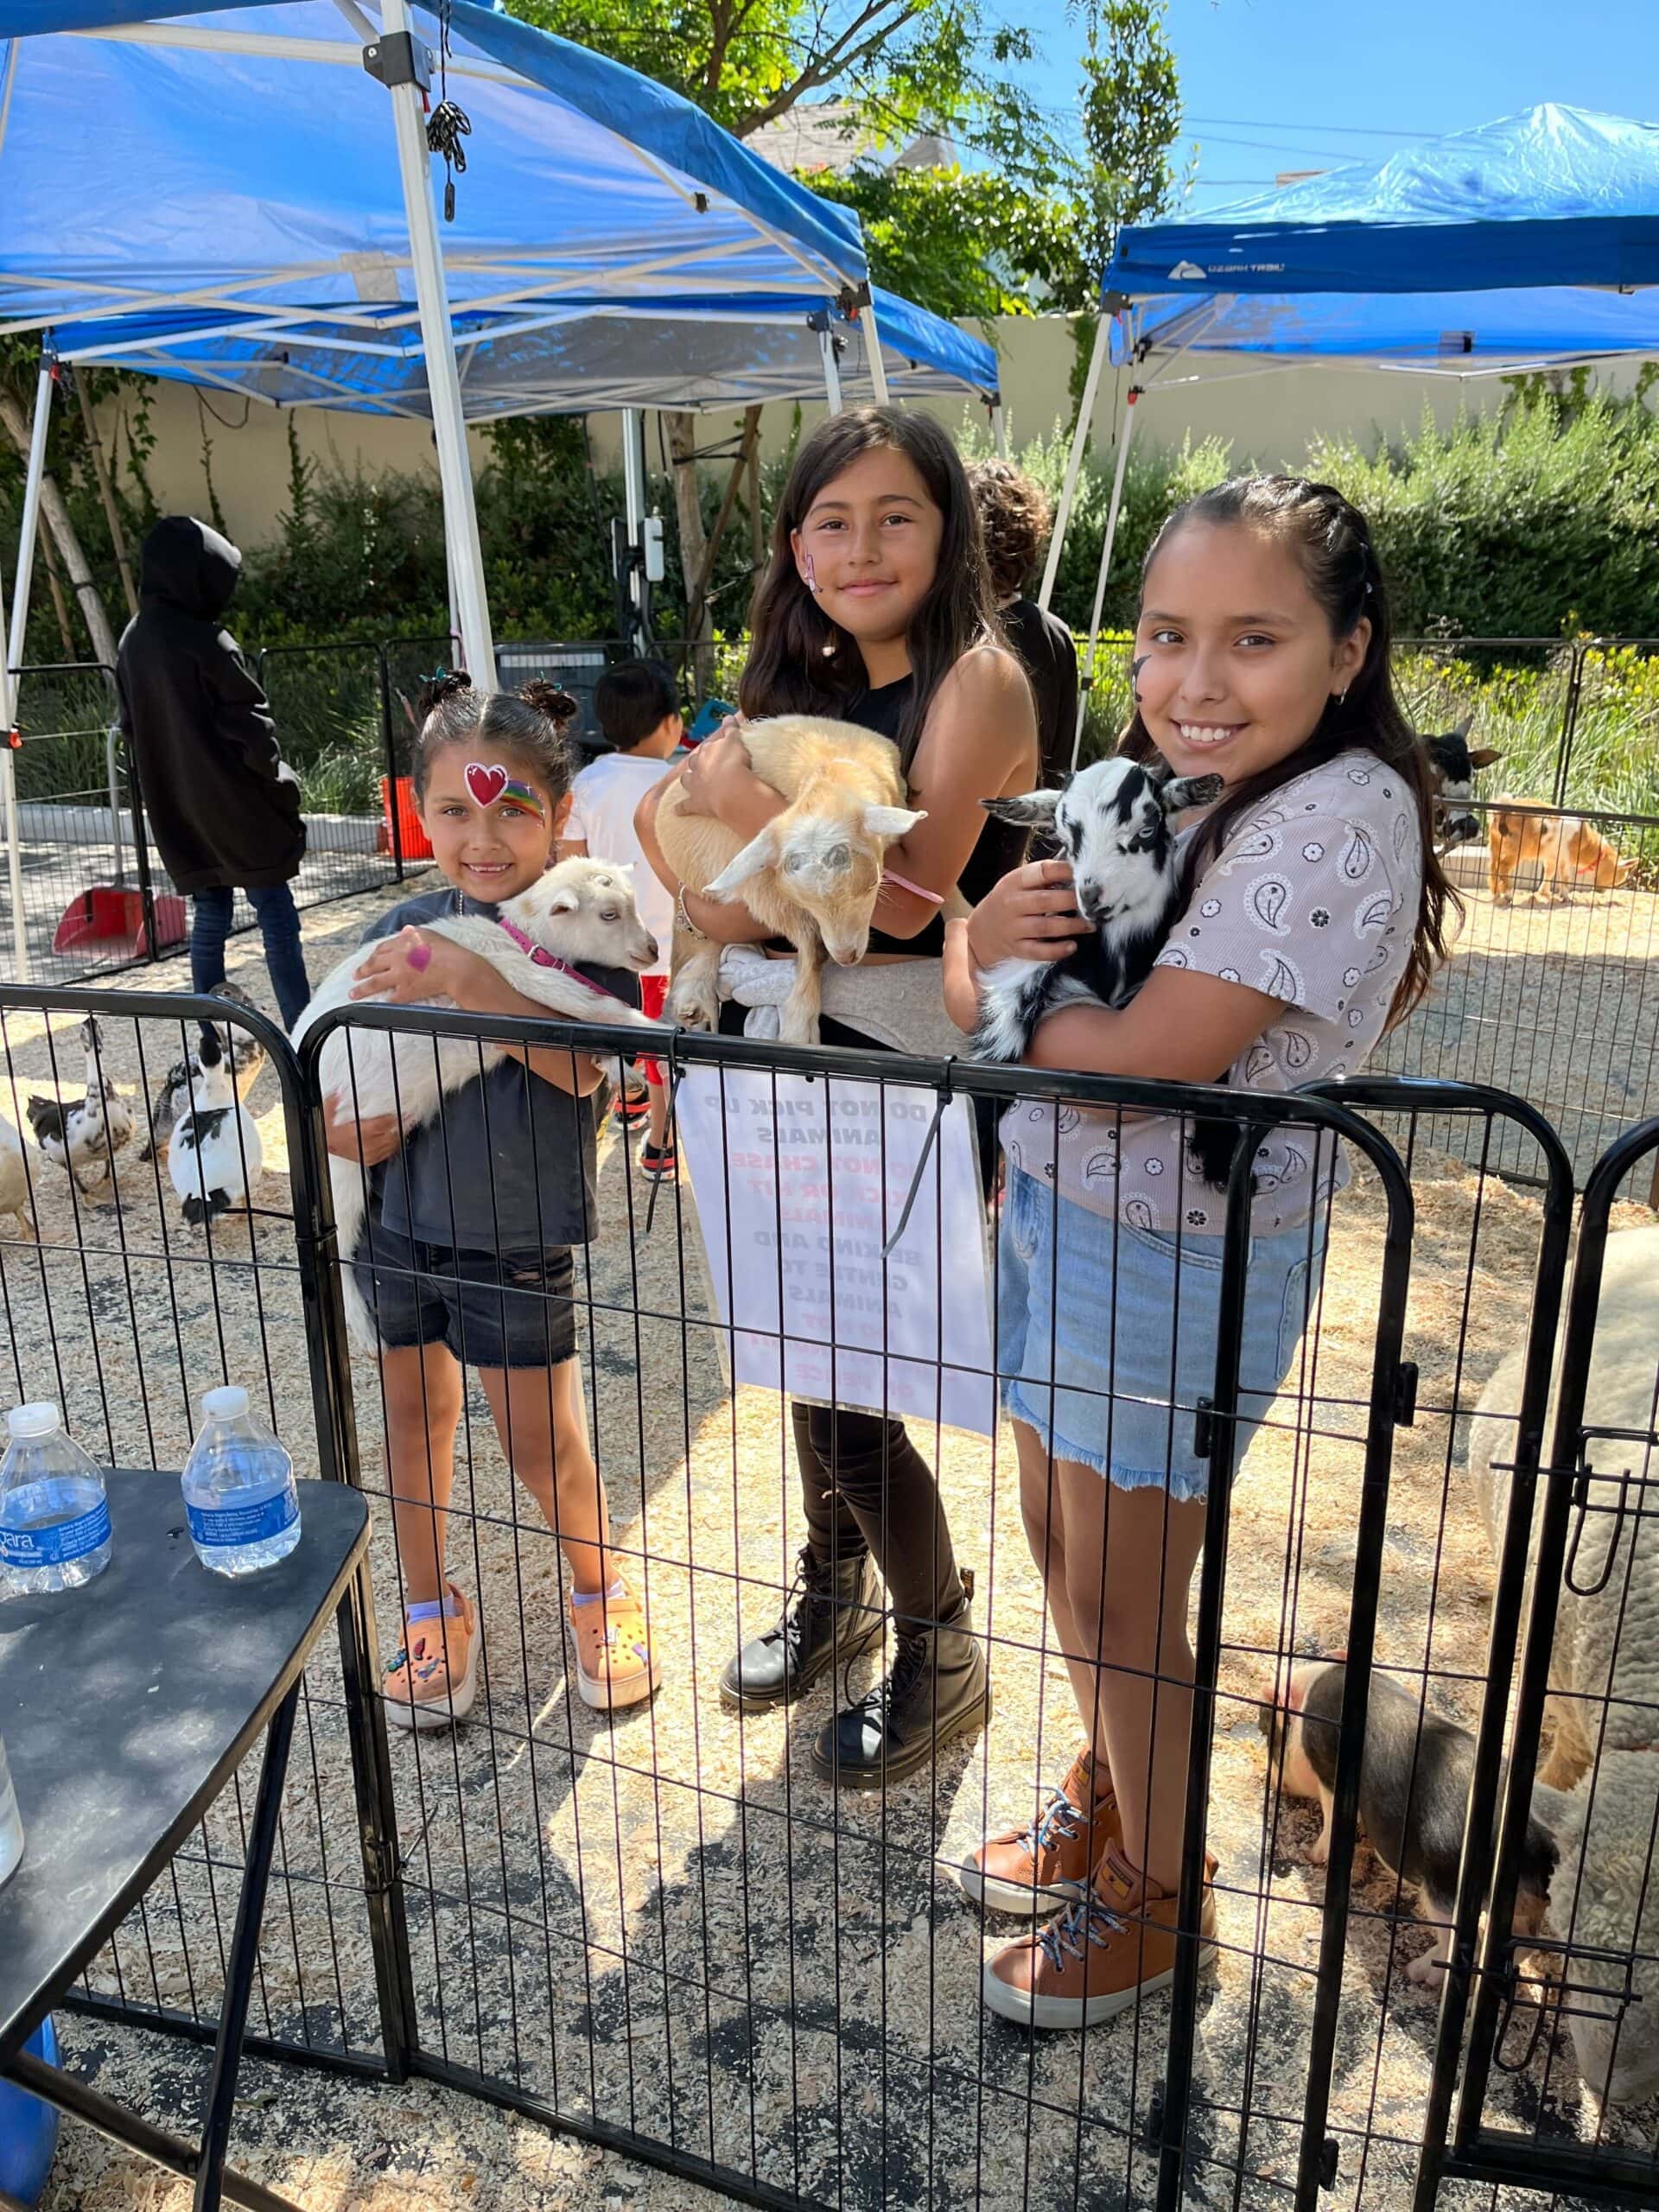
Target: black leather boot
{"type": "Point", "coordinates": [833, 1613]}
{"type": "Point", "coordinates": [936, 1687]}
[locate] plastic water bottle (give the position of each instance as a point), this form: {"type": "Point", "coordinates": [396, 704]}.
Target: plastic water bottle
{"type": "Point", "coordinates": [11, 1821]}
{"type": "Point", "coordinates": [238, 1489]}
{"type": "Point", "coordinates": [54, 1520]}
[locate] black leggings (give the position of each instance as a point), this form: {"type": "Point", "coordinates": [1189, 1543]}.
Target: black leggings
{"type": "Point", "coordinates": [852, 1465]}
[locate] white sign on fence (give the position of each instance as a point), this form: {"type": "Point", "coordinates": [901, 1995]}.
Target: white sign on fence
{"type": "Point", "coordinates": [814, 1306]}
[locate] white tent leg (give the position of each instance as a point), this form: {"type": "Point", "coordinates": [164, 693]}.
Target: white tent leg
{"type": "Point", "coordinates": [14, 834]}
{"type": "Point", "coordinates": [437, 339]}
{"type": "Point", "coordinates": [1079, 444]}
{"type": "Point", "coordinates": [831, 368]}
{"type": "Point", "coordinates": [1124, 435]}
{"type": "Point", "coordinates": [633, 502]}
{"type": "Point", "coordinates": [1000, 431]}
{"type": "Point", "coordinates": [873, 352]}
{"type": "Point", "coordinates": [14, 659]}
{"type": "Point", "coordinates": [30, 534]}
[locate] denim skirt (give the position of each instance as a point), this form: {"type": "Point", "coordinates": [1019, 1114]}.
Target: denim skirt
{"type": "Point", "coordinates": [1106, 1334]}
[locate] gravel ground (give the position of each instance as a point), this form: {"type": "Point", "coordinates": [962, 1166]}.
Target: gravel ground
{"type": "Point", "coordinates": [666, 1923]}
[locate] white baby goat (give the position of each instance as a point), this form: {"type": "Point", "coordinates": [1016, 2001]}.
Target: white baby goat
{"type": "Point", "coordinates": [582, 910]}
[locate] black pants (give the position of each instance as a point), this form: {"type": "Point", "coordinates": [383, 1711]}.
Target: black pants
{"type": "Point", "coordinates": [864, 1486]}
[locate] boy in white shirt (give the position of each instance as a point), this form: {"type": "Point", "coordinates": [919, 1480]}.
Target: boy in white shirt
{"type": "Point", "coordinates": [639, 711]}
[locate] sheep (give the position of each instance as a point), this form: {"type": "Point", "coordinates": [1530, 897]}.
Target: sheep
{"type": "Point", "coordinates": [811, 875]}
{"type": "Point", "coordinates": [582, 910]}
{"type": "Point", "coordinates": [1606, 1656]}
{"type": "Point", "coordinates": [1604, 1910]}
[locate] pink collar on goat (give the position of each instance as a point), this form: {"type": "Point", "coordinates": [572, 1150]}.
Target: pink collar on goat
{"type": "Point", "coordinates": [545, 959]}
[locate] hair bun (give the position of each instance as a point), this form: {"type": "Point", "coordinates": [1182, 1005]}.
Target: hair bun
{"type": "Point", "coordinates": [548, 698]}
{"type": "Point", "coordinates": [435, 690]}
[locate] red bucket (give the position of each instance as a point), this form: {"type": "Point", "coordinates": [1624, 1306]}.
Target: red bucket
{"type": "Point", "coordinates": [417, 845]}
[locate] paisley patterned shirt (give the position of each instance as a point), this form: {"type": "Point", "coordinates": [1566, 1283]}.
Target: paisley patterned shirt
{"type": "Point", "coordinates": [1313, 902]}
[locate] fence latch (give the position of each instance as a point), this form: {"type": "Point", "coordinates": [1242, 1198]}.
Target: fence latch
{"type": "Point", "coordinates": [1204, 1428]}
{"type": "Point", "coordinates": [1405, 1394]}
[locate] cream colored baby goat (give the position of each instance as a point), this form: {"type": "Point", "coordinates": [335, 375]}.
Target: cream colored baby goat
{"type": "Point", "coordinates": [813, 873]}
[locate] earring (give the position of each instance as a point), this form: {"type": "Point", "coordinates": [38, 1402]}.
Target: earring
{"type": "Point", "coordinates": [1341, 696]}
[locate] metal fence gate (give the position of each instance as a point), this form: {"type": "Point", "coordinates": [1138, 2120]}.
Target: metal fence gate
{"type": "Point", "coordinates": [666, 1931]}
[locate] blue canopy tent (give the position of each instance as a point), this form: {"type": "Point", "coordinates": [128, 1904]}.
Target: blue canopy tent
{"type": "Point", "coordinates": [155, 158]}
{"type": "Point", "coordinates": [559, 357]}
{"type": "Point", "coordinates": [1525, 243]}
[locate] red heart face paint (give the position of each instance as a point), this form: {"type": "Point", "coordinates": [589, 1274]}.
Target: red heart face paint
{"type": "Point", "coordinates": [489, 782]}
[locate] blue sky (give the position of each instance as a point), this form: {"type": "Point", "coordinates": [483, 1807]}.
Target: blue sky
{"type": "Point", "coordinates": [1312, 84]}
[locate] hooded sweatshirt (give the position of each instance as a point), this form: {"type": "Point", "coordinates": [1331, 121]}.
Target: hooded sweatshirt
{"type": "Point", "coordinates": [221, 809]}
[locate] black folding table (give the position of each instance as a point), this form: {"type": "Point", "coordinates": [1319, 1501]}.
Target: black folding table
{"type": "Point", "coordinates": [126, 1706]}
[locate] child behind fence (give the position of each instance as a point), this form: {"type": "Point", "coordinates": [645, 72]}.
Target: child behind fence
{"type": "Point", "coordinates": [639, 709]}
{"type": "Point", "coordinates": [1316, 912]}
{"type": "Point", "coordinates": [472, 1220]}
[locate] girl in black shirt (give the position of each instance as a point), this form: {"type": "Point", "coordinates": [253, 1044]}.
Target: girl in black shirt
{"type": "Point", "coordinates": [875, 608]}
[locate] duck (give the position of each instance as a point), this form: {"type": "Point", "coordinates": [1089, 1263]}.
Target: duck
{"type": "Point", "coordinates": [82, 1136]}
{"type": "Point", "coordinates": [247, 1057]}
{"type": "Point", "coordinates": [17, 1192]}
{"type": "Point", "coordinates": [216, 1156]}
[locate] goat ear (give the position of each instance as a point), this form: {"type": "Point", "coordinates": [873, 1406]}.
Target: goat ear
{"type": "Point", "coordinates": [563, 900]}
{"type": "Point", "coordinates": [891, 821]}
{"type": "Point", "coordinates": [1182, 791]}
{"type": "Point", "coordinates": [760, 852]}
{"type": "Point", "coordinates": [1483, 755]}
{"type": "Point", "coordinates": [1029, 811]}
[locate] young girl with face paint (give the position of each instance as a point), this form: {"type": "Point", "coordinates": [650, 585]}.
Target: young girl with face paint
{"type": "Point", "coordinates": [1316, 912]}
{"type": "Point", "coordinates": [467, 1257]}
{"type": "Point", "coordinates": [875, 608]}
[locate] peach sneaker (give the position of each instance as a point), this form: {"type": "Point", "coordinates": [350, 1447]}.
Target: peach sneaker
{"type": "Point", "coordinates": [1049, 1861]}
{"type": "Point", "coordinates": [1113, 1946]}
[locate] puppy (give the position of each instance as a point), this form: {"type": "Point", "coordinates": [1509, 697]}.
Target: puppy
{"type": "Point", "coordinates": [1414, 1782]}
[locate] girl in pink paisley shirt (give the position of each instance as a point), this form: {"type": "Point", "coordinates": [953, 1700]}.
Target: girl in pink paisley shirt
{"type": "Point", "coordinates": [1316, 912]}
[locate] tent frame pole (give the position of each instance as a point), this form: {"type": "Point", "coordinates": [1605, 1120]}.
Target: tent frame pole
{"type": "Point", "coordinates": [444, 379]}
{"type": "Point", "coordinates": [873, 354]}
{"type": "Point", "coordinates": [999, 431]}
{"type": "Point", "coordinates": [634, 491]}
{"type": "Point", "coordinates": [1087, 684]}
{"type": "Point", "coordinates": [9, 686]}
{"type": "Point", "coordinates": [1074, 462]}
{"type": "Point", "coordinates": [832, 367]}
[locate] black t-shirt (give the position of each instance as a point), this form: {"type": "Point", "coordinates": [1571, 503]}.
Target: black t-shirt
{"type": "Point", "coordinates": [1045, 646]}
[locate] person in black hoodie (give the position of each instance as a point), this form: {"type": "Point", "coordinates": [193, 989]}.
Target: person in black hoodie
{"type": "Point", "coordinates": [224, 808]}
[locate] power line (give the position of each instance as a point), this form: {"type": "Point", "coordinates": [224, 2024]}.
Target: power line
{"type": "Point", "coordinates": [1337, 129]}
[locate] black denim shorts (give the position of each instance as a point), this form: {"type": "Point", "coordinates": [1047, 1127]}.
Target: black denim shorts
{"type": "Point", "coordinates": [492, 1309]}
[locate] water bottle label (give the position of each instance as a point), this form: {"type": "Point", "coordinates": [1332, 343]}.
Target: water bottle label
{"type": "Point", "coordinates": [59, 1542]}
{"type": "Point", "coordinates": [221, 1525]}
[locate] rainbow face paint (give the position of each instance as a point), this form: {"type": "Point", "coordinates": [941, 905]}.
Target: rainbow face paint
{"type": "Point", "coordinates": [490, 785]}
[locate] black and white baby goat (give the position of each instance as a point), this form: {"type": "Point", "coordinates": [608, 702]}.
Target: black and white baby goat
{"type": "Point", "coordinates": [1112, 822]}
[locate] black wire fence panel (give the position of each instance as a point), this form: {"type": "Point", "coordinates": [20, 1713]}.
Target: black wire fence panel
{"type": "Point", "coordinates": [1573, 2010]}
{"type": "Point", "coordinates": [83, 907]}
{"type": "Point", "coordinates": [673, 1925]}
{"type": "Point", "coordinates": [123, 1313]}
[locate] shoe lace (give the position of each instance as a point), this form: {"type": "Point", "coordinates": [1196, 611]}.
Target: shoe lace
{"type": "Point", "coordinates": [1058, 1820]}
{"type": "Point", "coordinates": [1088, 1920]}
{"type": "Point", "coordinates": [801, 1590]}
{"type": "Point", "coordinates": [910, 1659]}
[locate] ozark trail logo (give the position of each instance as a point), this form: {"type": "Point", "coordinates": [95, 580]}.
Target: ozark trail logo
{"type": "Point", "coordinates": [1186, 272]}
